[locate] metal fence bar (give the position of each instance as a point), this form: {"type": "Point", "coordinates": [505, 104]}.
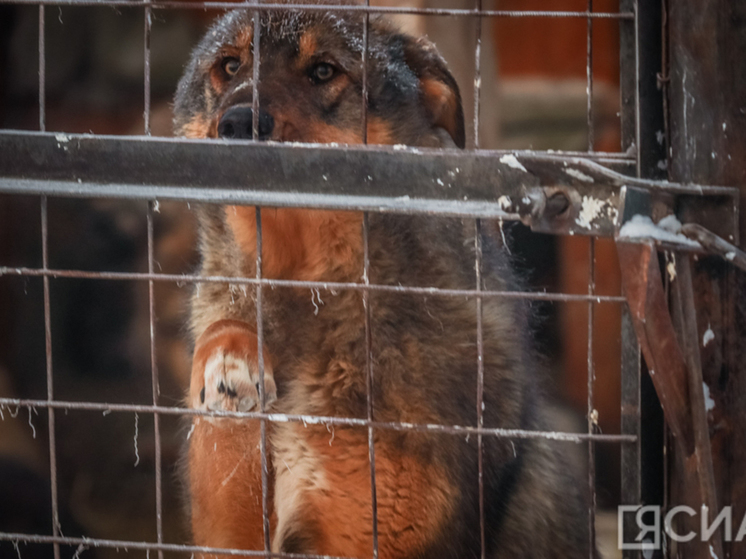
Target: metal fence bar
{"type": "Point", "coordinates": [155, 385]}
{"type": "Point", "coordinates": [180, 4]}
{"type": "Point", "coordinates": [480, 382]}
{"type": "Point", "coordinates": [50, 377]}
{"type": "Point", "coordinates": [274, 283]}
{"type": "Point", "coordinates": [477, 70]}
{"type": "Point", "coordinates": [589, 76]}
{"type": "Point", "coordinates": [47, 304]}
{"type": "Point", "coordinates": [631, 461]}
{"type": "Point", "coordinates": [262, 392]}
{"type": "Point", "coordinates": [148, 24]}
{"type": "Point", "coordinates": [460, 430]}
{"type": "Point", "coordinates": [592, 414]}
{"type": "Point", "coordinates": [369, 382]}
{"type": "Point", "coordinates": [42, 71]}
{"type": "Point", "coordinates": [147, 546]}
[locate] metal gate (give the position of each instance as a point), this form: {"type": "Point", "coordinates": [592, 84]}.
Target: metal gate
{"type": "Point", "coordinates": [589, 193]}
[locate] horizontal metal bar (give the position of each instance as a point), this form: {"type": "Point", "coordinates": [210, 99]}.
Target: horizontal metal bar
{"type": "Point", "coordinates": [462, 430]}
{"type": "Point", "coordinates": [151, 546]}
{"type": "Point", "coordinates": [183, 279]}
{"type": "Point", "coordinates": [168, 4]}
{"type": "Point", "coordinates": [396, 179]}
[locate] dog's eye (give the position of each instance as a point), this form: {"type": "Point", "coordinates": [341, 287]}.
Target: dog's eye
{"type": "Point", "coordinates": [322, 72]}
{"type": "Point", "coordinates": [231, 65]}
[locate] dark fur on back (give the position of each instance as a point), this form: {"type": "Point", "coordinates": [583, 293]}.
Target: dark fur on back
{"type": "Point", "coordinates": [423, 347]}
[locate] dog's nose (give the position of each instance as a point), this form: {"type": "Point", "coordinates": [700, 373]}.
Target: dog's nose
{"type": "Point", "coordinates": [236, 123]}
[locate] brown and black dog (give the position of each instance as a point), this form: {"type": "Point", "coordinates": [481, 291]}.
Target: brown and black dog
{"type": "Point", "coordinates": [424, 348]}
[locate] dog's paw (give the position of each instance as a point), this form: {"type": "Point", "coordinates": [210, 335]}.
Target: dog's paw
{"type": "Point", "coordinates": [225, 370]}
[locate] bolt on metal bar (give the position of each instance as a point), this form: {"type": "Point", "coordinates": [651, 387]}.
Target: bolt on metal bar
{"type": "Point", "coordinates": [460, 430]}
{"type": "Point", "coordinates": [480, 381]}
{"type": "Point", "coordinates": [155, 384]}
{"type": "Point", "coordinates": [592, 414]}
{"type": "Point", "coordinates": [275, 283]}
{"type": "Point", "coordinates": [56, 528]}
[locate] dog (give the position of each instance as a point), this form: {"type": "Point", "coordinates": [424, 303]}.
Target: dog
{"type": "Point", "coordinates": [423, 348]}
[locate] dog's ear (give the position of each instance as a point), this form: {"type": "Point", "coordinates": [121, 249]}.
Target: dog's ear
{"type": "Point", "coordinates": [438, 88]}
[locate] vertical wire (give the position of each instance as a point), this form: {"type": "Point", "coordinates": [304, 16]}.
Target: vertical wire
{"type": "Point", "coordinates": [591, 290]}
{"type": "Point", "coordinates": [50, 384]}
{"type": "Point", "coordinates": [666, 431]}
{"type": "Point", "coordinates": [256, 60]}
{"type": "Point", "coordinates": [262, 395]}
{"type": "Point", "coordinates": [364, 107]}
{"type": "Point", "coordinates": [148, 22]}
{"type": "Point", "coordinates": [256, 55]}
{"type": "Point", "coordinates": [47, 305]}
{"type": "Point", "coordinates": [477, 73]}
{"type": "Point", "coordinates": [42, 72]}
{"type": "Point", "coordinates": [480, 378]}
{"type": "Point", "coordinates": [366, 299]}
{"type": "Point", "coordinates": [589, 77]}
{"type": "Point", "coordinates": [155, 387]}
{"type": "Point", "coordinates": [369, 377]}
{"type": "Point", "coordinates": [591, 411]}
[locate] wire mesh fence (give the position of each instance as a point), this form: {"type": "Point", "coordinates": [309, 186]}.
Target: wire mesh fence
{"type": "Point", "coordinates": [451, 205]}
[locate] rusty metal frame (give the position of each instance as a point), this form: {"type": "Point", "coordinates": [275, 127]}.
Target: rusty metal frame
{"type": "Point", "coordinates": [552, 193]}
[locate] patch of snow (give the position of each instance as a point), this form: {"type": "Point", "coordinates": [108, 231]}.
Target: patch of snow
{"type": "Point", "coordinates": [671, 269]}
{"type": "Point", "coordinates": [511, 161]}
{"type": "Point", "coordinates": [708, 336]}
{"type": "Point", "coordinates": [709, 402]}
{"type": "Point", "coordinates": [641, 226]}
{"type": "Point", "coordinates": [61, 138]}
{"type": "Point", "coordinates": [590, 210]}
{"type": "Point", "coordinates": [579, 175]}
{"type": "Point", "coordinates": [504, 202]}
{"type": "Point", "coordinates": [730, 255]}
{"type": "Point", "coordinates": [670, 224]}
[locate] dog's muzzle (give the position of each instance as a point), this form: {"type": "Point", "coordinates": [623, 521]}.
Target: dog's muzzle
{"type": "Point", "coordinates": [236, 123]}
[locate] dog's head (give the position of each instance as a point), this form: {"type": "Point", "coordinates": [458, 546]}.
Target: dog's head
{"type": "Point", "coordinates": [310, 83]}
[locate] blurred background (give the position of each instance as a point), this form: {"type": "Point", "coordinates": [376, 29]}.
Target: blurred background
{"type": "Point", "coordinates": [534, 96]}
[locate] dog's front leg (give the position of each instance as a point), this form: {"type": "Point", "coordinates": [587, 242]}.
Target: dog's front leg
{"type": "Point", "coordinates": [224, 456]}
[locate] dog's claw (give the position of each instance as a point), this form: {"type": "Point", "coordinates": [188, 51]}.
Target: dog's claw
{"type": "Point", "coordinates": [232, 383]}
